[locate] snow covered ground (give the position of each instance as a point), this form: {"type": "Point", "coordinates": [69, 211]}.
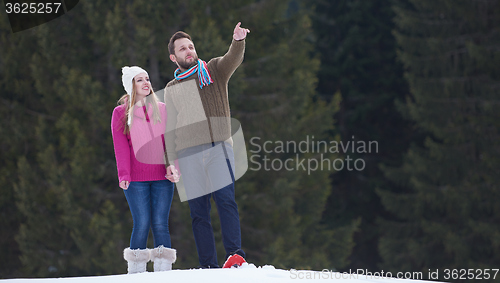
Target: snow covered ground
{"type": "Point", "coordinates": [246, 273]}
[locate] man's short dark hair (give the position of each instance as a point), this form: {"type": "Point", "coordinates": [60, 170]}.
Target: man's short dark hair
{"type": "Point", "coordinates": [177, 35]}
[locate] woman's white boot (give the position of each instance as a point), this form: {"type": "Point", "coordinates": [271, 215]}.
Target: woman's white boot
{"type": "Point", "coordinates": [136, 259]}
{"type": "Point", "coordinates": [163, 258]}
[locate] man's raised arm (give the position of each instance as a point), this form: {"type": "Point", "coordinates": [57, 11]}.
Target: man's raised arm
{"type": "Point", "coordinates": [234, 56]}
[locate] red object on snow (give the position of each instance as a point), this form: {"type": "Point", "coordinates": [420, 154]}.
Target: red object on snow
{"type": "Point", "coordinates": [234, 260]}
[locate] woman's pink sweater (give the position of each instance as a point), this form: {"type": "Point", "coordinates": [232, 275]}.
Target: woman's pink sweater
{"type": "Point", "coordinates": [129, 168]}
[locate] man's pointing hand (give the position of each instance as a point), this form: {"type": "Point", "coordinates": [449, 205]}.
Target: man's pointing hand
{"type": "Point", "coordinates": [239, 32]}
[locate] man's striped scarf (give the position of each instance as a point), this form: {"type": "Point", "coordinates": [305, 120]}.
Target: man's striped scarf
{"type": "Point", "coordinates": [201, 69]}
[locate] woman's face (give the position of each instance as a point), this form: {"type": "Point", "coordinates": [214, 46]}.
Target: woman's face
{"type": "Point", "coordinates": [142, 86]}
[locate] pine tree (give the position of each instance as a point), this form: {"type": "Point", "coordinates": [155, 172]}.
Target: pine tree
{"type": "Point", "coordinates": [446, 215]}
{"type": "Point", "coordinates": [358, 59]}
{"type": "Point", "coordinates": [65, 187]}
{"type": "Point", "coordinates": [18, 113]}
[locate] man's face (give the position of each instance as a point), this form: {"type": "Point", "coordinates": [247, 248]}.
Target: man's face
{"type": "Point", "coordinates": [185, 54]}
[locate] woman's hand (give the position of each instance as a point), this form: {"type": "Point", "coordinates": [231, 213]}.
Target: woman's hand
{"type": "Point", "coordinates": [124, 184]}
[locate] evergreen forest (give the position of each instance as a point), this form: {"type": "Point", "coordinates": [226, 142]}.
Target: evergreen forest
{"type": "Point", "coordinates": [391, 104]}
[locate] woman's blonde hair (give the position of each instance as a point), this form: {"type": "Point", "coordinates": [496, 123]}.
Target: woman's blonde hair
{"type": "Point", "coordinates": [151, 101]}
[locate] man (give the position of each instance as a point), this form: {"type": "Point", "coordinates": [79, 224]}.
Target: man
{"type": "Point", "coordinates": [198, 135]}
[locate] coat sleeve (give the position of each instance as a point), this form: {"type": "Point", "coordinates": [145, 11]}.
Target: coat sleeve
{"type": "Point", "coordinates": [121, 145]}
{"type": "Point", "coordinates": [227, 64]}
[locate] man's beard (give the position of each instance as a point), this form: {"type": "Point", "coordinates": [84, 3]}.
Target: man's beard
{"type": "Point", "coordinates": [186, 65]}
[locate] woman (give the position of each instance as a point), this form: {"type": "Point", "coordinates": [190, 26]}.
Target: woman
{"type": "Point", "coordinates": [137, 124]}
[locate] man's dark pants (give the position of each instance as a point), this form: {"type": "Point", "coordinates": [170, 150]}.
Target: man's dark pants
{"type": "Point", "coordinates": [212, 165]}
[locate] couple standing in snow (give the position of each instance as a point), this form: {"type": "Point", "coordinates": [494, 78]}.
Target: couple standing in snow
{"type": "Point", "coordinates": [195, 142]}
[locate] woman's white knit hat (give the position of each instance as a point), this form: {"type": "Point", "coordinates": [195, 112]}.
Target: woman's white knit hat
{"type": "Point", "coordinates": [128, 74]}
